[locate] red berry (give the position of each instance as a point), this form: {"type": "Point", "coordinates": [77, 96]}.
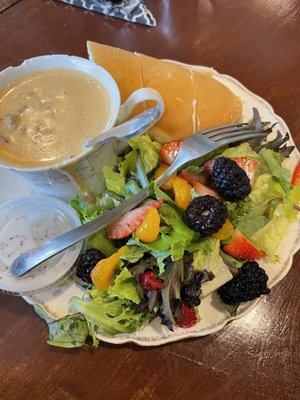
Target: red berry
{"type": "Point", "coordinates": [249, 165]}
{"type": "Point", "coordinates": [149, 282]}
{"type": "Point", "coordinates": [198, 181]}
{"type": "Point", "coordinates": [296, 176]}
{"type": "Point", "coordinates": [208, 166]}
{"type": "Point", "coordinates": [193, 177]}
{"type": "Point", "coordinates": [203, 190]}
{"type": "Point", "coordinates": [189, 317]}
{"type": "Point", "coordinates": [241, 248]}
{"type": "Point", "coordinates": [169, 152]}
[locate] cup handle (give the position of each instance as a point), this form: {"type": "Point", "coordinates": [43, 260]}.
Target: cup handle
{"type": "Point", "coordinates": [137, 97]}
{"type": "Point", "coordinates": [136, 125]}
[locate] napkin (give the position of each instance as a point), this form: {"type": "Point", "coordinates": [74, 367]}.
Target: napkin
{"type": "Point", "coordinates": [130, 10]}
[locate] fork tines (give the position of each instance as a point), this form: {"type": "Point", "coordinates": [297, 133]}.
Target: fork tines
{"type": "Point", "coordinates": [239, 131]}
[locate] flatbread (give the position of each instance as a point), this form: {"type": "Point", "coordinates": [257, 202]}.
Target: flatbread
{"type": "Point", "coordinates": [193, 100]}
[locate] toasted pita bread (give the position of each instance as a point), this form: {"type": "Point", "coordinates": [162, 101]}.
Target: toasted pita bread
{"type": "Point", "coordinates": [193, 100]}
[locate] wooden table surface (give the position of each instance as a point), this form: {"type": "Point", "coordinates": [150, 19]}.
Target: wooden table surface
{"type": "Point", "coordinates": [255, 357]}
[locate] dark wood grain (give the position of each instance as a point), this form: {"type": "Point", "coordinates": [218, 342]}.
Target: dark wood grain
{"type": "Point", "coordinates": [5, 4]}
{"type": "Point", "coordinates": [256, 357]}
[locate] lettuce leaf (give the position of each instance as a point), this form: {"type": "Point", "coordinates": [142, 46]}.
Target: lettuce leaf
{"type": "Point", "coordinates": [154, 191]}
{"type": "Point", "coordinates": [236, 211]}
{"type": "Point", "coordinates": [255, 219]}
{"type": "Point", "coordinates": [106, 201]}
{"type": "Point", "coordinates": [109, 314]}
{"type": "Point", "coordinates": [274, 162]}
{"type": "Point", "coordinates": [180, 234]}
{"type": "Point", "coordinates": [270, 236]}
{"type": "Point", "coordinates": [172, 277]}
{"type": "Point", "coordinates": [125, 287]}
{"type": "Point", "coordinates": [289, 210]}
{"type": "Point", "coordinates": [230, 260]}
{"type": "Point", "coordinates": [101, 242]}
{"type": "Point", "coordinates": [68, 332]}
{"type": "Point", "coordinates": [294, 196]}
{"type": "Point", "coordinates": [127, 165]}
{"type": "Point", "coordinates": [147, 150]}
{"type": "Point", "coordinates": [159, 249]}
{"type": "Point", "coordinates": [134, 253]}
{"type": "Point", "coordinates": [175, 237]}
{"type": "Point", "coordinates": [86, 211]}
{"type": "Point", "coordinates": [114, 180]}
{"type": "Point", "coordinates": [131, 188]}
{"type": "Point", "coordinates": [208, 257]}
{"type": "Point", "coordinates": [243, 150]}
{"type": "Point", "coordinates": [260, 189]}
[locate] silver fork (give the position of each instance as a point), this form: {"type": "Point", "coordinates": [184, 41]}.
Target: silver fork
{"type": "Point", "coordinates": [195, 147]}
{"type": "Point", "coordinates": [201, 144]}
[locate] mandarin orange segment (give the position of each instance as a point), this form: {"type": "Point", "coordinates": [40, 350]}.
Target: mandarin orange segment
{"type": "Point", "coordinates": [182, 192]}
{"type": "Point", "coordinates": [168, 185]}
{"type": "Point", "coordinates": [104, 271]}
{"type": "Point", "coordinates": [225, 232]}
{"type": "Point", "coordinates": [148, 231]}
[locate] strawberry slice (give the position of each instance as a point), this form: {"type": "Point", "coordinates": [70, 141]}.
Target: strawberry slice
{"type": "Point", "coordinates": [198, 182]}
{"type": "Point", "coordinates": [241, 248]}
{"type": "Point", "coordinates": [249, 165]}
{"type": "Point", "coordinates": [129, 222]}
{"type": "Point", "coordinates": [296, 176]}
{"type": "Point", "coordinates": [208, 166]}
{"type": "Point", "coordinates": [189, 317]}
{"type": "Point", "coordinates": [169, 151]}
{"type": "Point", "coordinates": [193, 177]}
{"type": "Point", "coordinates": [203, 190]}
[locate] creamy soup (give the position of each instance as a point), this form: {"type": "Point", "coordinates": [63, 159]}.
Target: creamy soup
{"type": "Point", "coordinates": [46, 116]}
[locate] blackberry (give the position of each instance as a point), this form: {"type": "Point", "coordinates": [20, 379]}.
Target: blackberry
{"type": "Point", "coordinates": [206, 214]}
{"type": "Point", "coordinates": [247, 285]}
{"type": "Point", "coordinates": [86, 262]}
{"type": "Point", "coordinates": [191, 289]}
{"type": "Point", "coordinates": [230, 180]}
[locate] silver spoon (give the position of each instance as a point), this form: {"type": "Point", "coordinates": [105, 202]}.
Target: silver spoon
{"type": "Point", "coordinates": [135, 126]}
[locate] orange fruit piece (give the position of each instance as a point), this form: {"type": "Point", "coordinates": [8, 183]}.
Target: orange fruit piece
{"type": "Point", "coordinates": [182, 192]}
{"type": "Point", "coordinates": [225, 232]}
{"type": "Point", "coordinates": [104, 271]}
{"type": "Point", "coordinates": [168, 185]}
{"type": "Point", "coordinates": [148, 231]}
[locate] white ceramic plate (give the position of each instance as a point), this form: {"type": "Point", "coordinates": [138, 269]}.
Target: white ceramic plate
{"type": "Point", "coordinates": [213, 314]}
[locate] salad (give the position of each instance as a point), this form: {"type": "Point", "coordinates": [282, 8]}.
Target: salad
{"type": "Point", "coordinates": [205, 230]}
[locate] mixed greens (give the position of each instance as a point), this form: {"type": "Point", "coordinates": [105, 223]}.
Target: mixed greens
{"type": "Point", "coordinates": [166, 277]}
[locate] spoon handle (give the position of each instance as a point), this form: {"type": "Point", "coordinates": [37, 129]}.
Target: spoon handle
{"type": "Point", "coordinates": [133, 127]}
{"type": "Point", "coordinates": [43, 252]}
